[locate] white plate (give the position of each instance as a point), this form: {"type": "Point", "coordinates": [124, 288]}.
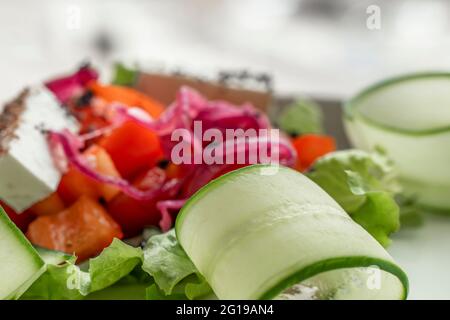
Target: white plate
{"type": "Point", "coordinates": [424, 254]}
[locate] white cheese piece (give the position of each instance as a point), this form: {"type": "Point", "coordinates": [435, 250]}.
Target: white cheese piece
{"type": "Point", "coordinates": [27, 170]}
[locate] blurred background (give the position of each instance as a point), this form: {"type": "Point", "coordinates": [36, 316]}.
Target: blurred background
{"type": "Point", "coordinates": [325, 49]}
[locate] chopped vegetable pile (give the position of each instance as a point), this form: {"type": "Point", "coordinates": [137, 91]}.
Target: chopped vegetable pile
{"type": "Point", "coordinates": [118, 179]}
{"type": "Point", "coordinates": [121, 154]}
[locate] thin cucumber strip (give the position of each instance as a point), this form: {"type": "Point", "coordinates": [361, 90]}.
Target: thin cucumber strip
{"type": "Point", "coordinates": [409, 118]}
{"type": "Point", "coordinates": [52, 256]}
{"type": "Point", "coordinates": [20, 263]}
{"type": "Point", "coordinates": [256, 236]}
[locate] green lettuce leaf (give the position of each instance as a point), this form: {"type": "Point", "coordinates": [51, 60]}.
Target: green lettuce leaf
{"type": "Point", "coordinates": [192, 287]}
{"type": "Point", "coordinates": [301, 117]}
{"type": "Point", "coordinates": [124, 76]}
{"type": "Point", "coordinates": [364, 184]}
{"type": "Point", "coordinates": [161, 271]}
{"type": "Point", "coordinates": [174, 274]}
{"type": "Point", "coordinates": [115, 262]}
{"type": "Point", "coordinates": [133, 286]}
{"type": "Point", "coordinates": [411, 214]}
{"type": "Point", "coordinates": [63, 279]}
{"type": "Point", "coordinates": [379, 215]}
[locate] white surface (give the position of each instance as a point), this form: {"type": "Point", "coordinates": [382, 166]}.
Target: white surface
{"type": "Point", "coordinates": [309, 49]}
{"type": "Point", "coordinates": [424, 254]}
{"type": "Point", "coordinates": [27, 171]}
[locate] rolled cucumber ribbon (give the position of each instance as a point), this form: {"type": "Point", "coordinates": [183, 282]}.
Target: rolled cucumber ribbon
{"type": "Point", "coordinates": [409, 118]}
{"type": "Point", "coordinates": [255, 235]}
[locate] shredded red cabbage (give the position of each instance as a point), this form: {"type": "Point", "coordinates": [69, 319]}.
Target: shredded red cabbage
{"type": "Point", "coordinates": [189, 106]}
{"type": "Point", "coordinates": [164, 206]}
{"type": "Point", "coordinates": [70, 86]}
{"type": "Point", "coordinates": [71, 145]}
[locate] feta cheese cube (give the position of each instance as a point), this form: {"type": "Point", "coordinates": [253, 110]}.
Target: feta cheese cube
{"type": "Point", "coordinates": [27, 171]}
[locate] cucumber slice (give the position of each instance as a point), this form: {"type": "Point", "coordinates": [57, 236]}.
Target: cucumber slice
{"type": "Point", "coordinates": [20, 263]}
{"type": "Point", "coordinates": [409, 118]}
{"type": "Point", "coordinates": [53, 257]}
{"type": "Point", "coordinates": [255, 236]}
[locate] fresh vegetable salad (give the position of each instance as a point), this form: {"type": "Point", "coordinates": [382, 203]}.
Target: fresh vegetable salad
{"type": "Point", "coordinates": [91, 189]}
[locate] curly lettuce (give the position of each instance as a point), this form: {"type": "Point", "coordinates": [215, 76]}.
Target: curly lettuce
{"type": "Point", "coordinates": [63, 279]}
{"type": "Point", "coordinates": [364, 184]}
{"type": "Point", "coordinates": [161, 270]}
{"type": "Point", "coordinates": [175, 275]}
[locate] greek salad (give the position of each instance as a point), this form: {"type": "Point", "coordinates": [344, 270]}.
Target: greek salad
{"type": "Point", "coordinates": [109, 193]}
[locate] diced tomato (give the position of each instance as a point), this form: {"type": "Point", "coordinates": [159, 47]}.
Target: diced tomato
{"type": "Point", "coordinates": [84, 229]}
{"type": "Point", "coordinates": [127, 96]}
{"type": "Point", "coordinates": [90, 121]}
{"type": "Point", "coordinates": [105, 165]}
{"type": "Point", "coordinates": [74, 183]}
{"type": "Point", "coordinates": [48, 206]}
{"type": "Point", "coordinates": [133, 215]}
{"type": "Point", "coordinates": [21, 220]}
{"type": "Point", "coordinates": [133, 148]}
{"type": "Point", "coordinates": [311, 147]}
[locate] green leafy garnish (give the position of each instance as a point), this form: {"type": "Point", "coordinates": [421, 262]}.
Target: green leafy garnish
{"type": "Point", "coordinates": [411, 215]}
{"type": "Point", "coordinates": [173, 272]}
{"type": "Point", "coordinates": [161, 271]}
{"type": "Point", "coordinates": [115, 262]}
{"type": "Point", "coordinates": [364, 184]}
{"type": "Point", "coordinates": [301, 117]}
{"type": "Point", "coordinates": [63, 279]}
{"type": "Point", "coordinates": [379, 215]}
{"type": "Point", "coordinates": [192, 287]}
{"type": "Point", "coordinates": [124, 76]}
{"type": "Point", "coordinates": [131, 287]}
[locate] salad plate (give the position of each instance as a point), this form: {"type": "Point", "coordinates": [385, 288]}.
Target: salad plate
{"type": "Point", "coordinates": [171, 187]}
